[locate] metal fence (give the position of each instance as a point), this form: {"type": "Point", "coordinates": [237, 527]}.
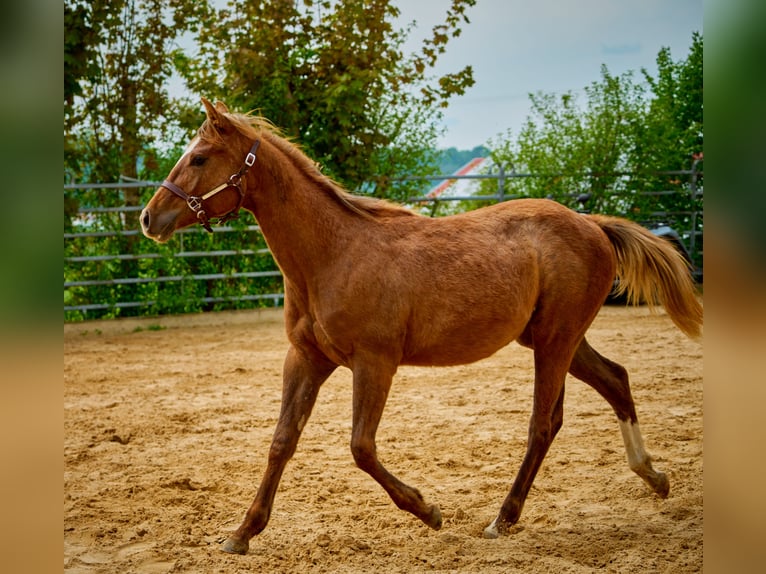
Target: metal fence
{"type": "Point", "coordinates": [688, 221]}
{"type": "Point", "coordinates": [110, 270]}
{"type": "Point", "coordinates": [88, 270]}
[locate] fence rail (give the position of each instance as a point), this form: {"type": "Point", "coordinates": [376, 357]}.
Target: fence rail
{"type": "Point", "coordinates": [109, 269]}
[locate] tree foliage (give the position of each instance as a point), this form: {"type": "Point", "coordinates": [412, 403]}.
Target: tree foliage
{"type": "Point", "coordinates": [80, 42]}
{"type": "Point", "coordinates": [332, 74]}
{"type": "Point", "coordinates": [671, 131]}
{"type": "Point", "coordinates": [118, 61]}
{"type": "Point", "coordinates": [573, 148]}
{"type": "Point", "coordinates": [622, 127]}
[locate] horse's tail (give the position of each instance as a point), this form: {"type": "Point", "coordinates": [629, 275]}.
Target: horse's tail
{"type": "Point", "coordinates": [650, 269]}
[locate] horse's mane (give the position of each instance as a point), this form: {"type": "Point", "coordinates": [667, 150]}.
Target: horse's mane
{"type": "Point", "coordinates": [254, 126]}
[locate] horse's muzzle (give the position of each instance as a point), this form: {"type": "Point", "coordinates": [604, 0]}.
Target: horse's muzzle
{"type": "Point", "coordinates": [158, 226]}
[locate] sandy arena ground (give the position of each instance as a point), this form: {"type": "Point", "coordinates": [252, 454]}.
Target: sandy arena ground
{"type": "Point", "coordinates": [168, 423]}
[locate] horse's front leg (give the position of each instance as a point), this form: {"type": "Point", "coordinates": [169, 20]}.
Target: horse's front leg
{"type": "Point", "coordinates": [371, 385]}
{"type": "Point", "coordinates": [303, 375]}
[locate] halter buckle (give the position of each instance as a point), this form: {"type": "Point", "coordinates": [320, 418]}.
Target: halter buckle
{"type": "Point", "coordinates": [194, 203]}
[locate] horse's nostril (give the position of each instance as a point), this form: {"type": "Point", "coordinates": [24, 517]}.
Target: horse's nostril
{"type": "Point", "coordinates": [145, 219]}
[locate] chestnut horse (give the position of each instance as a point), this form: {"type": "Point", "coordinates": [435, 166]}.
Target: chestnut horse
{"type": "Point", "coordinates": [370, 285]}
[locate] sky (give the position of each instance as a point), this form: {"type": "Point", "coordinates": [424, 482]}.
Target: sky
{"type": "Point", "coordinates": [517, 47]}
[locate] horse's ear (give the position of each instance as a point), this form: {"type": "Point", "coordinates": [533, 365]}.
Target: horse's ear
{"type": "Point", "coordinates": [209, 109]}
{"type": "Point", "coordinates": [215, 113]}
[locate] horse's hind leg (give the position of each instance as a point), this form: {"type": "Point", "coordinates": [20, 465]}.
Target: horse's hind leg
{"type": "Point", "coordinates": [371, 386]}
{"type": "Point", "coordinates": [547, 418]}
{"type": "Point", "coordinates": [611, 382]}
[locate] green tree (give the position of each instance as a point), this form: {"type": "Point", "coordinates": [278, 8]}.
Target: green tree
{"type": "Point", "coordinates": [573, 147]}
{"type": "Point", "coordinates": [670, 138]}
{"type": "Point", "coordinates": [80, 58]}
{"type": "Point", "coordinates": [671, 133]}
{"type": "Point", "coordinates": [333, 75]}
{"type": "Point", "coordinates": [118, 58]}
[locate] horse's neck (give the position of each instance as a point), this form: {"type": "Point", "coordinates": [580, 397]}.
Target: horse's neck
{"type": "Point", "coordinates": [303, 224]}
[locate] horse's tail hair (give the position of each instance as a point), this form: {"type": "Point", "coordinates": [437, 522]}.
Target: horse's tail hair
{"type": "Point", "coordinates": [650, 269]}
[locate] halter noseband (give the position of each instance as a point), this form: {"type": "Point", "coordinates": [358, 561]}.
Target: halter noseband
{"type": "Point", "coordinates": [195, 202]}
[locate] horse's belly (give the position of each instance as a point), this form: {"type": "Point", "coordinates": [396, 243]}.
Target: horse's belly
{"type": "Point", "coordinates": [459, 347]}
{"type": "Point", "coordinates": [455, 357]}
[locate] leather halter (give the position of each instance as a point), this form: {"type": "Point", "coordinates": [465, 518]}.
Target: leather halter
{"type": "Point", "coordinates": [195, 202]}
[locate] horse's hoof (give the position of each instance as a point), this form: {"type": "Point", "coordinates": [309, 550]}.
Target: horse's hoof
{"type": "Point", "coordinates": [235, 546]}
{"type": "Point", "coordinates": [434, 519]}
{"type": "Point", "coordinates": [661, 485]}
{"type": "Point", "coordinates": [491, 531]}
{"type": "Point", "coordinates": [497, 528]}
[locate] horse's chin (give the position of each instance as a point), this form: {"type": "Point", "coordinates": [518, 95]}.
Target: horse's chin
{"type": "Point", "coordinates": [160, 238]}
{"type": "Point", "coordinates": [162, 235]}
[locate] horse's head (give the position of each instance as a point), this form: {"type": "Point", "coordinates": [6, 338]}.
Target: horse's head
{"type": "Point", "coordinates": [205, 183]}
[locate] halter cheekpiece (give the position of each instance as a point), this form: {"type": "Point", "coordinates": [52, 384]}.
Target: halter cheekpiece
{"type": "Point", "coordinates": [195, 202]}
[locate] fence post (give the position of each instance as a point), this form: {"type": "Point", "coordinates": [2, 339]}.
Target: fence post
{"type": "Point", "coordinates": [693, 190]}
{"type": "Point", "coordinates": [501, 184]}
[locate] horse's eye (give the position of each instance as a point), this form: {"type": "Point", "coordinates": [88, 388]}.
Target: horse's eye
{"type": "Point", "coordinates": [198, 160]}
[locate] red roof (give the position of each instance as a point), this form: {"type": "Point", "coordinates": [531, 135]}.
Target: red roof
{"type": "Point", "coordinates": [467, 169]}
